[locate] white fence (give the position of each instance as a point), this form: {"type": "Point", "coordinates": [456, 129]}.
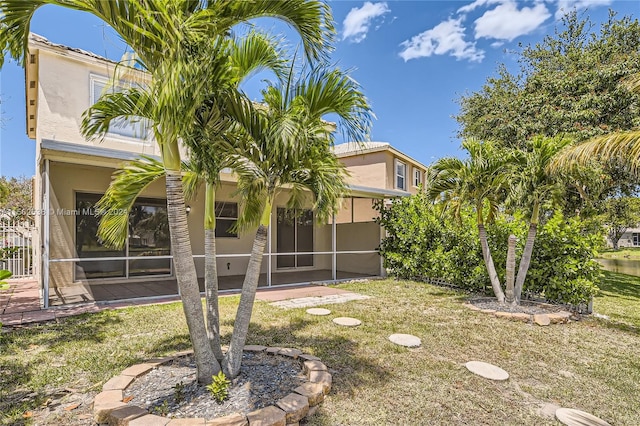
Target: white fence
{"type": "Point", "coordinates": [16, 248]}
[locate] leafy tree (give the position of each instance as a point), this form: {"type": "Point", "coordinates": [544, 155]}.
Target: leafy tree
{"type": "Point", "coordinates": [163, 35]}
{"type": "Point", "coordinates": [568, 85]}
{"type": "Point", "coordinates": [15, 196]}
{"type": "Point", "coordinates": [619, 215]}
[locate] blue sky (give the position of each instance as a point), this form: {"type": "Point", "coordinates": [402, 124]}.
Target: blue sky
{"type": "Point", "coordinates": [413, 59]}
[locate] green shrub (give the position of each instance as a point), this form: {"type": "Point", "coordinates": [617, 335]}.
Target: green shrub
{"type": "Point", "coordinates": [422, 243]}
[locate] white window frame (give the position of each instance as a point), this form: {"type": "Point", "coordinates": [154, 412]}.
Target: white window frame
{"type": "Point", "coordinates": [417, 177]}
{"type": "Point", "coordinates": [93, 98]}
{"type": "Point", "coordinates": [402, 175]}
{"type": "Point", "coordinates": [220, 218]}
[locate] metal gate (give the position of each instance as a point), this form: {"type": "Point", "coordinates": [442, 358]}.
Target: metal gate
{"type": "Point", "coordinates": [16, 248]}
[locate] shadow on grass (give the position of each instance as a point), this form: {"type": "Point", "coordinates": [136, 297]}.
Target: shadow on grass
{"type": "Point", "coordinates": [620, 285]}
{"type": "Point", "coordinates": [619, 299]}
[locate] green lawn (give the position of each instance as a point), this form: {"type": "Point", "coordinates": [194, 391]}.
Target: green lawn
{"type": "Point", "coordinates": [592, 365]}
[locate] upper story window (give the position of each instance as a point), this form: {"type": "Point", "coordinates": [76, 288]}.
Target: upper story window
{"type": "Point", "coordinates": [226, 218]}
{"type": "Point", "coordinates": [130, 129]}
{"type": "Point", "coordinates": [417, 176]}
{"type": "Point", "coordinates": [401, 175]}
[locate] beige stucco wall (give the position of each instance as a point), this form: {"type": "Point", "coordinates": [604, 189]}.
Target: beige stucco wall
{"type": "Point", "coordinates": [64, 93]}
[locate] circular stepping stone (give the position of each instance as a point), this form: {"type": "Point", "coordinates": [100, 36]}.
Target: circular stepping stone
{"type": "Point", "coordinates": [487, 370]}
{"type": "Point", "coordinates": [318, 311]}
{"type": "Point", "coordinates": [405, 340]}
{"type": "Point", "coordinates": [347, 322]}
{"type": "Point", "coordinates": [571, 417]}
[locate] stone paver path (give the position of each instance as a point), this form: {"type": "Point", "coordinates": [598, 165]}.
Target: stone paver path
{"type": "Point", "coordinates": [571, 417]}
{"type": "Point", "coordinates": [318, 311]}
{"type": "Point", "coordinates": [486, 370]}
{"type": "Point", "coordinates": [347, 322]}
{"type": "Point", "coordinates": [306, 302]}
{"type": "Point", "coordinates": [405, 340]}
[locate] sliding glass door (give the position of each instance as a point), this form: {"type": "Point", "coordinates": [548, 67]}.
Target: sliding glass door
{"type": "Point", "coordinates": [294, 234]}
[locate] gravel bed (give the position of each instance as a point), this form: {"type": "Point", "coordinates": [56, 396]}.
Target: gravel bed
{"type": "Point", "coordinates": [172, 390]}
{"type": "Point", "coordinates": [526, 307]}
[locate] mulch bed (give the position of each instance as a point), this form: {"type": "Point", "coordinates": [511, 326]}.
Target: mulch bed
{"type": "Point", "coordinates": [526, 306]}
{"type": "Point", "coordinates": [172, 389]}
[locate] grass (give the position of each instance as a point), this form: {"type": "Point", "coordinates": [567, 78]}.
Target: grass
{"type": "Point", "coordinates": [622, 253]}
{"type": "Point", "coordinates": [592, 365]}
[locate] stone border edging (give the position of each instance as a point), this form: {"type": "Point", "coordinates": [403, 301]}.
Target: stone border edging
{"type": "Point", "coordinates": [303, 401]}
{"type": "Point", "coordinates": [560, 317]}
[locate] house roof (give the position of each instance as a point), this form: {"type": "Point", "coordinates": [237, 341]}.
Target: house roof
{"type": "Point", "coordinates": [38, 39]}
{"type": "Point", "coordinates": [350, 149]}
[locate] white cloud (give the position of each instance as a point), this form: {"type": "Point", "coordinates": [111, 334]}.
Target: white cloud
{"type": "Point", "coordinates": [565, 6]}
{"type": "Point", "coordinates": [476, 4]}
{"type": "Point", "coordinates": [358, 20]}
{"type": "Point", "coordinates": [445, 38]}
{"type": "Point", "coordinates": [506, 21]}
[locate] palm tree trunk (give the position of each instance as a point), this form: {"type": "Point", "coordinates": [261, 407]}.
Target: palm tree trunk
{"type": "Point", "coordinates": [525, 261]}
{"type": "Point", "coordinates": [511, 269]}
{"type": "Point", "coordinates": [211, 272]}
{"type": "Point", "coordinates": [233, 358]}
{"type": "Point", "coordinates": [206, 363]}
{"type": "Point", "coordinates": [488, 260]}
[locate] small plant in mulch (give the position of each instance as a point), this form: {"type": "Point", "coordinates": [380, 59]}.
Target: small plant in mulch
{"type": "Point", "coordinates": [219, 388]}
{"type": "Point", "coordinates": [162, 409]}
{"type": "Point", "coordinates": [179, 392]}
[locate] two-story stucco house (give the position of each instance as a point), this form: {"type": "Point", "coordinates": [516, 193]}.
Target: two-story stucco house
{"type": "Point", "coordinates": [72, 173]}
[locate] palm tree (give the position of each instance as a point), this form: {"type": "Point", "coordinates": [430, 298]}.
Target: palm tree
{"type": "Point", "coordinates": [253, 52]}
{"type": "Point", "coordinates": [162, 35]}
{"type": "Point", "coordinates": [480, 180]}
{"type": "Point", "coordinates": [286, 144]}
{"type": "Point", "coordinates": [534, 186]}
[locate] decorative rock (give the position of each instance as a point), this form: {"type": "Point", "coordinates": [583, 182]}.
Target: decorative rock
{"type": "Point", "coordinates": [559, 317]}
{"type": "Point", "coordinates": [118, 383]}
{"type": "Point", "coordinates": [307, 357]}
{"type": "Point", "coordinates": [322, 377]}
{"type": "Point", "coordinates": [273, 351]}
{"type": "Point", "coordinates": [541, 319]}
{"type": "Point", "coordinates": [101, 411]}
{"type": "Point", "coordinates": [314, 366]}
{"type": "Point", "coordinates": [152, 420]}
{"type": "Point", "coordinates": [108, 396]}
{"type": "Point", "coordinates": [199, 421]}
{"type": "Point", "coordinates": [230, 420]}
{"type": "Point", "coordinates": [295, 406]}
{"type": "Point", "coordinates": [318, 311]}
{"type": "Point", "coordinates": [405, 340]}
{"type": "Point", "coordinates": [312, 410]}
{"type": "Point", "coordinates": [254, 348]}
{"type": "Point", "coordinates": [571, 417]}
{"type": "Point", "coordinates": [347, 322]}
{"type": "Point", "coordinates": [500, 314]}
{"type": "Point", "coordinates": [313, 391]}
{"type": "Point", "coordinates": [137, 370]}
{"type": "Point", "coordinates": [159, 361]}
{"type": "Point", "coordinates": [487, 370]}
{"type": "Point", "coordinates": [122, 416]}
{"type": "Point", "coordinates": [521, 316]}
{"type": "Point", "coordinates": [291, 353]}
{"type": "Point", "coordinates": [268, 416]}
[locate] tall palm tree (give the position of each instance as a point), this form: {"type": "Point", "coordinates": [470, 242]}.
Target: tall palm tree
{"type": "Point", "coordinates": [208, 150]}
{"type": "Point", "coordinates": [162, 34]}
{"type": "Point", "coordinates": [286, 143]}
{"type": "Point", "coordinates": [480, 180]}
{"type": "Point", "coordinates": [534, 185]}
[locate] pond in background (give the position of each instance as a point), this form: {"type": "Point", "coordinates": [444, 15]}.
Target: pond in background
{"type": "Point", "coordinates": [622, 266]}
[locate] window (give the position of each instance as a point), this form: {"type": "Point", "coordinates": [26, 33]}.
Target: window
{"type": "Point", "coordinates": [401, 175]}
{"type": "Point", "coordinates": [134, 128]}
{"type": "Point", "coordinates": [636, 239]}
{"type": "Point", "coordinates": [417, 177]}
{"type": "Point", "coordinates": [148, 236]}
{"type": "Point", "coordinates": [226, 218]}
